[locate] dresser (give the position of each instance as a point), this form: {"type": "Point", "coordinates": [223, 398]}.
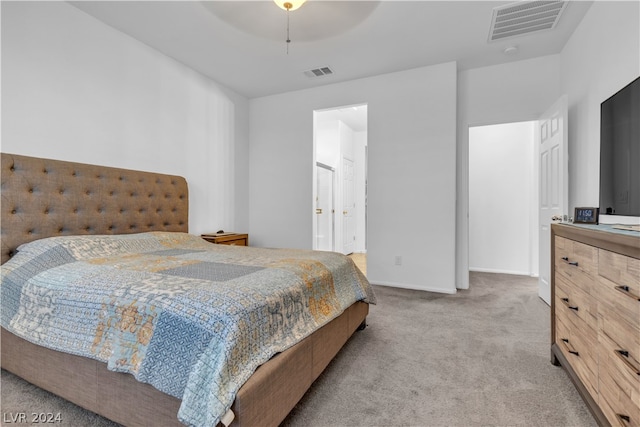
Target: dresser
{"type": "Point", "coordinates": [595, 317]}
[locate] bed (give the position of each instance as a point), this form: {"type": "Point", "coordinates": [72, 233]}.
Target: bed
{"type": "Point", "coordinates": [52, 204]}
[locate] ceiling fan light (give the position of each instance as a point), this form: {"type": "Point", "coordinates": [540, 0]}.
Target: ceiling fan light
{"type": "Point", "coordinates": [289, 4]}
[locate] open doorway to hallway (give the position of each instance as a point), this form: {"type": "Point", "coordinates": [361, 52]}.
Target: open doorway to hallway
{"type": "Point", "coordinates": [503, 199]}
{"type": "Point", "coordinates": [340, 179]}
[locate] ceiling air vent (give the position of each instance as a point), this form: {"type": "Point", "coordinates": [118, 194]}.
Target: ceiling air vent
{"type": "Point", "coordinates": [319, 72]}
{"type": "Point", "coordinates": [524, 17]}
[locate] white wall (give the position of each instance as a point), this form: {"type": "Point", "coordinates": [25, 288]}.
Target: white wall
{"type": "Point", "coordinates": [502, 198]}
{"type": "Point", "coordinates": [327, 142]}
{"type": "Point", "coordinates": [78, 90]}
{"type": "Point", "coordinates": [513, 92]}
{"type": "Point", "coordinates": [360, 144]}
{"type": "Point", "coordinates": [411, 171]}
{"type": "Point", "coordinates": [602, 56]}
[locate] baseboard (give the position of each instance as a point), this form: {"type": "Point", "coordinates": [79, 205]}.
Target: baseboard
{"type": "Point", "coordinates": [497, 271]}
{"type": "Point", "coordinates": [414, 287]}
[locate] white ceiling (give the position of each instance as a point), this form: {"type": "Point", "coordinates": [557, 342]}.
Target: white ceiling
{"type": "Point", "coordinates": [241, 44]}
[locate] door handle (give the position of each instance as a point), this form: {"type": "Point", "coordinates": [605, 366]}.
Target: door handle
{"type": "Point", "coordinates": [318, 211]}
{"type": "Point", "coordinates": [344, 212]}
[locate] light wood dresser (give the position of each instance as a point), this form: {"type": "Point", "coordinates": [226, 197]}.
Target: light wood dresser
{"type": "Point", "coordinates": [595, 317]}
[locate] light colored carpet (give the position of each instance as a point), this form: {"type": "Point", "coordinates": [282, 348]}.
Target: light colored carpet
{"type": "Point", "coordinates": [477, 358]}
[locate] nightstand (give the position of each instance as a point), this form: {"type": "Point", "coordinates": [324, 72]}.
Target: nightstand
{"type": "Point", "coordinates": [234, 239]}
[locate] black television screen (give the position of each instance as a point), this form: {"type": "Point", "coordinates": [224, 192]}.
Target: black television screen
{"type": "Point", "coordinates": [620, 152]}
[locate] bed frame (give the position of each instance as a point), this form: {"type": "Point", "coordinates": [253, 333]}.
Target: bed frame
{"type": "Point", "coordinates": [43, 198]}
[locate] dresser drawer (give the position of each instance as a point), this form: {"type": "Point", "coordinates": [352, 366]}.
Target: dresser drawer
{"type": "Point", "coordinates": [576, 262]}
{"type": "Point", "coordinates": [578, 347]}
{"type": "Point", "coordinates": [620, 269]}
{"type": "Point", "coordinates": [619, 384]}
{"type": "Point", "coordinates": [619, 285]}
{"type": "Point", "coordinates": [618, 313]}
{"type": "Point", "coordinates": [571, 300]}
{"type": "Point", "coordinates": [236, 242]}
{"type": "Point", "coordinates": [621, 331]}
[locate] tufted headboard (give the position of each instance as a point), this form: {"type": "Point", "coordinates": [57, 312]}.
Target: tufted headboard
{"type": "Point", "coordinates": [43, 198]}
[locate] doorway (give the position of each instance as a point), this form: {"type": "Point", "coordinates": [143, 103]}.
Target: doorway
{"type": "Point", "coordinates": [340, 179]}
{"type": "Point", "coordinates": [503, 199]}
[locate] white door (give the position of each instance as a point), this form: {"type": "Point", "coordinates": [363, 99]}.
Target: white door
{"type": "Point", "coordinates": [324, 208]}
{"type": "Point", "coordinates": [554, 183]}
{"type": "Point", "coordinates": [348, 206]}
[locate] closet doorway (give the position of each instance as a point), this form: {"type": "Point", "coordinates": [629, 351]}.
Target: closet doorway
{"type": "Point", "coordinates": [340, 179]}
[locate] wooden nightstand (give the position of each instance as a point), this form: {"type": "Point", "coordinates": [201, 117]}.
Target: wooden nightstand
{"type": "Point", "coordinates": [234, 239]}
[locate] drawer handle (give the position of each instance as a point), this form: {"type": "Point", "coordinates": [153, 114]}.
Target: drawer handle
{"type": "Point", "coordinates": [566, 259]}
{"type": "Point", "coordinates": [624, 356]}
{"type": "Point", "coordinates": [566, 302]}
{"type": "Point", "coordinates": [566, 342]}
{"type": "Point", "coordinates": [624, 420]}
{"type": "Point", "coordinates": [625, 290]}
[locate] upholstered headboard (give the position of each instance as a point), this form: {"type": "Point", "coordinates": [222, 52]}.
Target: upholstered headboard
{"type": "Point", "coordinates": [43, 198]}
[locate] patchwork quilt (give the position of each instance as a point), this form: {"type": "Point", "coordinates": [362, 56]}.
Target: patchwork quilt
{"type": "Point", "coordinates": [191, 318]}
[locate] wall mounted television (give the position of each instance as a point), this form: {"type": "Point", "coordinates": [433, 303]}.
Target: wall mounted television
{"type": "Point", "coordinates": [620, 152]}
